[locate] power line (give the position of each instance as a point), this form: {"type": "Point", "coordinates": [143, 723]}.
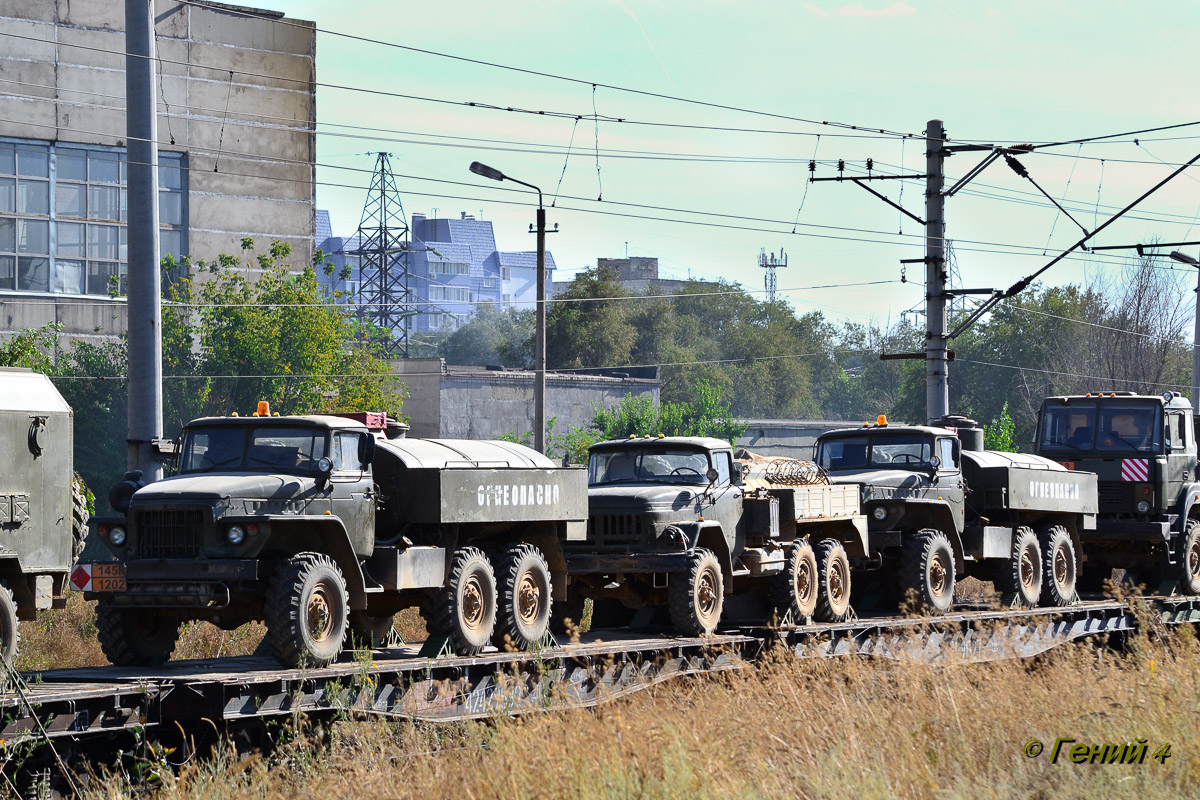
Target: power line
{"type": "Point", "coordinates": [1071, 374]}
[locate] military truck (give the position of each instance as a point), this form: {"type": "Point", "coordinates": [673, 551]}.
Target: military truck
{"type": "Point", "coordinates": [679, 521]}
{"type": "Point", "coordinates": [322, 524]}
{"type": "Point", "coordinates": [940, 506]}
{"type": "Point", "coordinates": [1142, 449]}
{"type": "Point", "coordinates": [43, 509]}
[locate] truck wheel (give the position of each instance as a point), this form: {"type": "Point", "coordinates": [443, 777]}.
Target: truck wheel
{"type": "Point", "coordinates": [369, 631]}
{"type": "Point", "coordinates": [525, 597]}
{"type": "Point", "coordinates": [1059, 566]}
{"type": "Point", "coordinates": [79, 517]}
{"type": "Point", "coordinates": [833, 567]}
{"type": "Point", "coordinates": [795, 589]}
{"type": "Point", "coordinates": [1022, 575]}
{"type": "Point", "coordinates": [465, 608]}
{"type": "Point", "coordinates": [133, 637]}
{"type": "Point", "coordinates": [10, 632]}
{"type": "Point", "coordinates": [928, 567]}
{"type": "Point", "coordinates": [697, 595]}
{"type": "Point", "coordinates": [1189, 558]}
{"type": "Point", "coordinates": [306, 611]}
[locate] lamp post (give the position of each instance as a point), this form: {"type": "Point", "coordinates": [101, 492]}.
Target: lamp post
{"type": "Point", "coordinates": [1183, 258]}
{"type": "Point", "coordinates": [539, 356]}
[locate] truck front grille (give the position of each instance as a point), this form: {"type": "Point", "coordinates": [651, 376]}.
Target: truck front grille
{"type": "Point", "coordinates": [1115, 497]}
{"type": "Point", "coordinates": [170, 533]}
{"type": "Point", "coordinates": [614, 531]}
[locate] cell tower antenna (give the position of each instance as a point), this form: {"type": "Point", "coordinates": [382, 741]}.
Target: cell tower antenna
{"type": "Point", "coordinates": [383, 252]}
{"type": "Point", "coordinates": [770, 263]}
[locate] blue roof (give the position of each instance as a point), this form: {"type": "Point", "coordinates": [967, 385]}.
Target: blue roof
{"type": "Point", "coordinates": [525, 259]}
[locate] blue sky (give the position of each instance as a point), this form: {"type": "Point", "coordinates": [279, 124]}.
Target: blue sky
{"type": "Point", "coordinates": [994, 72]}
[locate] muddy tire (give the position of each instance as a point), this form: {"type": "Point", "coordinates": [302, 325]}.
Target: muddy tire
{"type": "Point", "coordinates": [465, 608]}
{"type": "Point", "coordinates": [697, 595]}
{"type": "Point", "coordinates": [79, 517]}
{"type": "Point", "coordinates": [1060, 567]}
{"type": "Point", "coordinates": [307, 611]}
{"type": "Point", "coordinates": [10, 631]}
{"type": "Point", "coordinates": [1188, 568]}
{"type": "Point", "coordinates": [525, 597]}
{"type": "Point", "coordinates": [833, 582]}
{"type": "Point", "coordinates": [369, 631]}
{"type": "Point", "coordinates": [1022, 575]}
{"type": "Point", "coordinates": [927, 565]}
{"type": "Point", "coordinates": [133, 637]}
{"type": "Point", "coordinates": [794, 590]}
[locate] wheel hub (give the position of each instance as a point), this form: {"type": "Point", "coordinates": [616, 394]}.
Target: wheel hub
{"type": "Point", "coordinates": [320, 616]}
{"type": "Point", "coordinates": [706, 594]}
{"type": "Point", "coordinates": [1028, 568]}
{"type": "Point", "coordinates": [837, 582]}
{"type": "Point", "coordinates": [529, 599]}
{"type": "Point", "coordinates": [1060, 567]}
{"type": "Point", "coordinates": [1193, 559]}
{"type": "Point", "coordinates": [938, 576]}
{"type": "Point", "coordinates": [805, 583]}
{"type": "Point", "coordinates": [472, 604]}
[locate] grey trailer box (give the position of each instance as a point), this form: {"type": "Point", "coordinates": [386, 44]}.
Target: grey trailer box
{"type": "Point", "coordinates": [1024, 482]}
{"type": "Point", "coordinates": [36, 433]}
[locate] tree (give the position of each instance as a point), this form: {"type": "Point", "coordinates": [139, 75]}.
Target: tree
{"type": "Point", "coordinates": [1000, 433]}
{"type": "Point", "coordinates": [594, 332]}
{"type": "Point", "coordinates": [33, 349]}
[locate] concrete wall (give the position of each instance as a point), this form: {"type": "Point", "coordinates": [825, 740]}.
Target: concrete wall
{"type": "Point", "coordinates": [469, 403]}
{"type": "Point", "coordinates": [68, 56]}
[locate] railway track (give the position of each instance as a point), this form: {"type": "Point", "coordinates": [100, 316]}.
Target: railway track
{"type": "Point", "coordinates": [90, 714]}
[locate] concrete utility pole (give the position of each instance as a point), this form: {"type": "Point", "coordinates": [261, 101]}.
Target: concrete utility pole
{"type": "Point", "coordinates": [937, 390]}
{"type": "Point", "coordinates": [143, 287]}
{"type": "Point", "coordinates": [539, 353]}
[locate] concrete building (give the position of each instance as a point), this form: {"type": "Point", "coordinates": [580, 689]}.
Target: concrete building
{"type": "Point", "coordinates": [454, 265]}
{"type": "Point", "coordinates": [480, 403]}
{"type": "Point", "coordinates": [237, 115]}
{"type": "Point", "coordinates": [638, 274]}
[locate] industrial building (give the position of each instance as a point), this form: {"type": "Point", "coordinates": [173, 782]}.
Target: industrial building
{"type": "Point", "coordinates": [236, 127]}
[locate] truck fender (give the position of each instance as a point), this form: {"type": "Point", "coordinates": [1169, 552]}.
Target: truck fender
{"type": "Point", "coordinates": [1189, 505]}
{"type": "Point", "coordinates": [939, 516]}
{"type": "Point", "coordinates": [331, 538]}
{"type": "Point", "coordinates": [710, 536]}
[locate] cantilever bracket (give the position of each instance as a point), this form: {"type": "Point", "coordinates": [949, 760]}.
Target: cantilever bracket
{"type": "Point", "coordinates": [902, 209]}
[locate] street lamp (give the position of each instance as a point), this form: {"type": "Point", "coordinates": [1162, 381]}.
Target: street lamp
{"type": "Point", "coordinates": [539, 356]}
{"type": "Point", "coordinates": [1183, 258]}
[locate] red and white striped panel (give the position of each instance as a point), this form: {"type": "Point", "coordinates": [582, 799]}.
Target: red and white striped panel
{"type": "Point", "coordinates": [1135, 469]}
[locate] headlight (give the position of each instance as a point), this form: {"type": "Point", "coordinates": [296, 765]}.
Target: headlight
{"type": "Point", "coordinates": [236, 534]}
{"type": "Point", "coordinates": [117, 536]}
{"type": "Point", "coordinates": [880, 513]}
{"type": "Point", "coordinates": [1143, 506]}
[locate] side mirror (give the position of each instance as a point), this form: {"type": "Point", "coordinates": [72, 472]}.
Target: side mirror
{"type": "Point", "coordinates": [712, 475]}
{"type": "Point", "coordinates": [736, 477]}
{"type": "Point", "coordinates": [366, 450]}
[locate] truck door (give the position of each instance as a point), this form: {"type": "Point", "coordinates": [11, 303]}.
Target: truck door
{"type": "Point", "coordinates": [352, 489]}
{"type": "Point", "coordinates": [1179, 460]}
{"type": "Point", "coordinates": [949, 479]}
{"type": "Point", "coordinates": [727, 498]}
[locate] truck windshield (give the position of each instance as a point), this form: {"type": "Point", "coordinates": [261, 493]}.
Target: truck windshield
{"type": "Point", "coordinates": [267, 449]}
{"type": "Point", "coordinates": [1107, 426]}
{"type": "Point", "coordinates": [646, 465]}
{"type": "Point", "coordinates": [888, 451]}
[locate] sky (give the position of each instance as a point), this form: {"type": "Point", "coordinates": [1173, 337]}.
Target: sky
{"type": "Point", "coordinates": [995, 73]}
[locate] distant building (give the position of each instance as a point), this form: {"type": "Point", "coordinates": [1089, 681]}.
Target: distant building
{"type": "Point", "coordinates": [225, 170]}
{"type": "Point", "coordinates": [453, 266]}
{"type": "Point", "coordinates": [637, 274]}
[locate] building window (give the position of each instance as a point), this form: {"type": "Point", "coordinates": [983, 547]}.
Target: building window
{"type": "Point", "coordinates": [63, 216]}
{"type": "Point", "coordinates": [451, 294]}
{"type": "Point", "coordinates": [446, 322]}
{"type": "Point", "coordinates": [489, 283]}
{"type": "Point", "coordinates": [452, 268]}
{"type": "Point", "coordinates": [506, 273]}
{"type": "Point", "coordinates": [506, 298]}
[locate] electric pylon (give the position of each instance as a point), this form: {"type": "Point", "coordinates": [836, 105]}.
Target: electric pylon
{"type": "Point", "coordinates": [383, 260]}
{"type": "Point", "coordinates": [770, 264]}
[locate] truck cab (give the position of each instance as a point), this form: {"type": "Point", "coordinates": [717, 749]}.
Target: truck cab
{"type": "Point", "coordinates": [1142, 448]}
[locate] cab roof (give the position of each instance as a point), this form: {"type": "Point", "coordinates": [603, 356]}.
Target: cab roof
{"type": "Point", "coordinates": [1172, 400]}
{"type": "Point", "coordinates": [698, 442]}
{"type": "Point", "coordinates": [928, 430]}
{"type": "Point", "coordinates": [311, 420]}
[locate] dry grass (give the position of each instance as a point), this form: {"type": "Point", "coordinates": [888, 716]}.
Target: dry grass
{"type": "Point", "coordinates": [845, 728]}
{"type": "Point", "coordinates": [65, 638]}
